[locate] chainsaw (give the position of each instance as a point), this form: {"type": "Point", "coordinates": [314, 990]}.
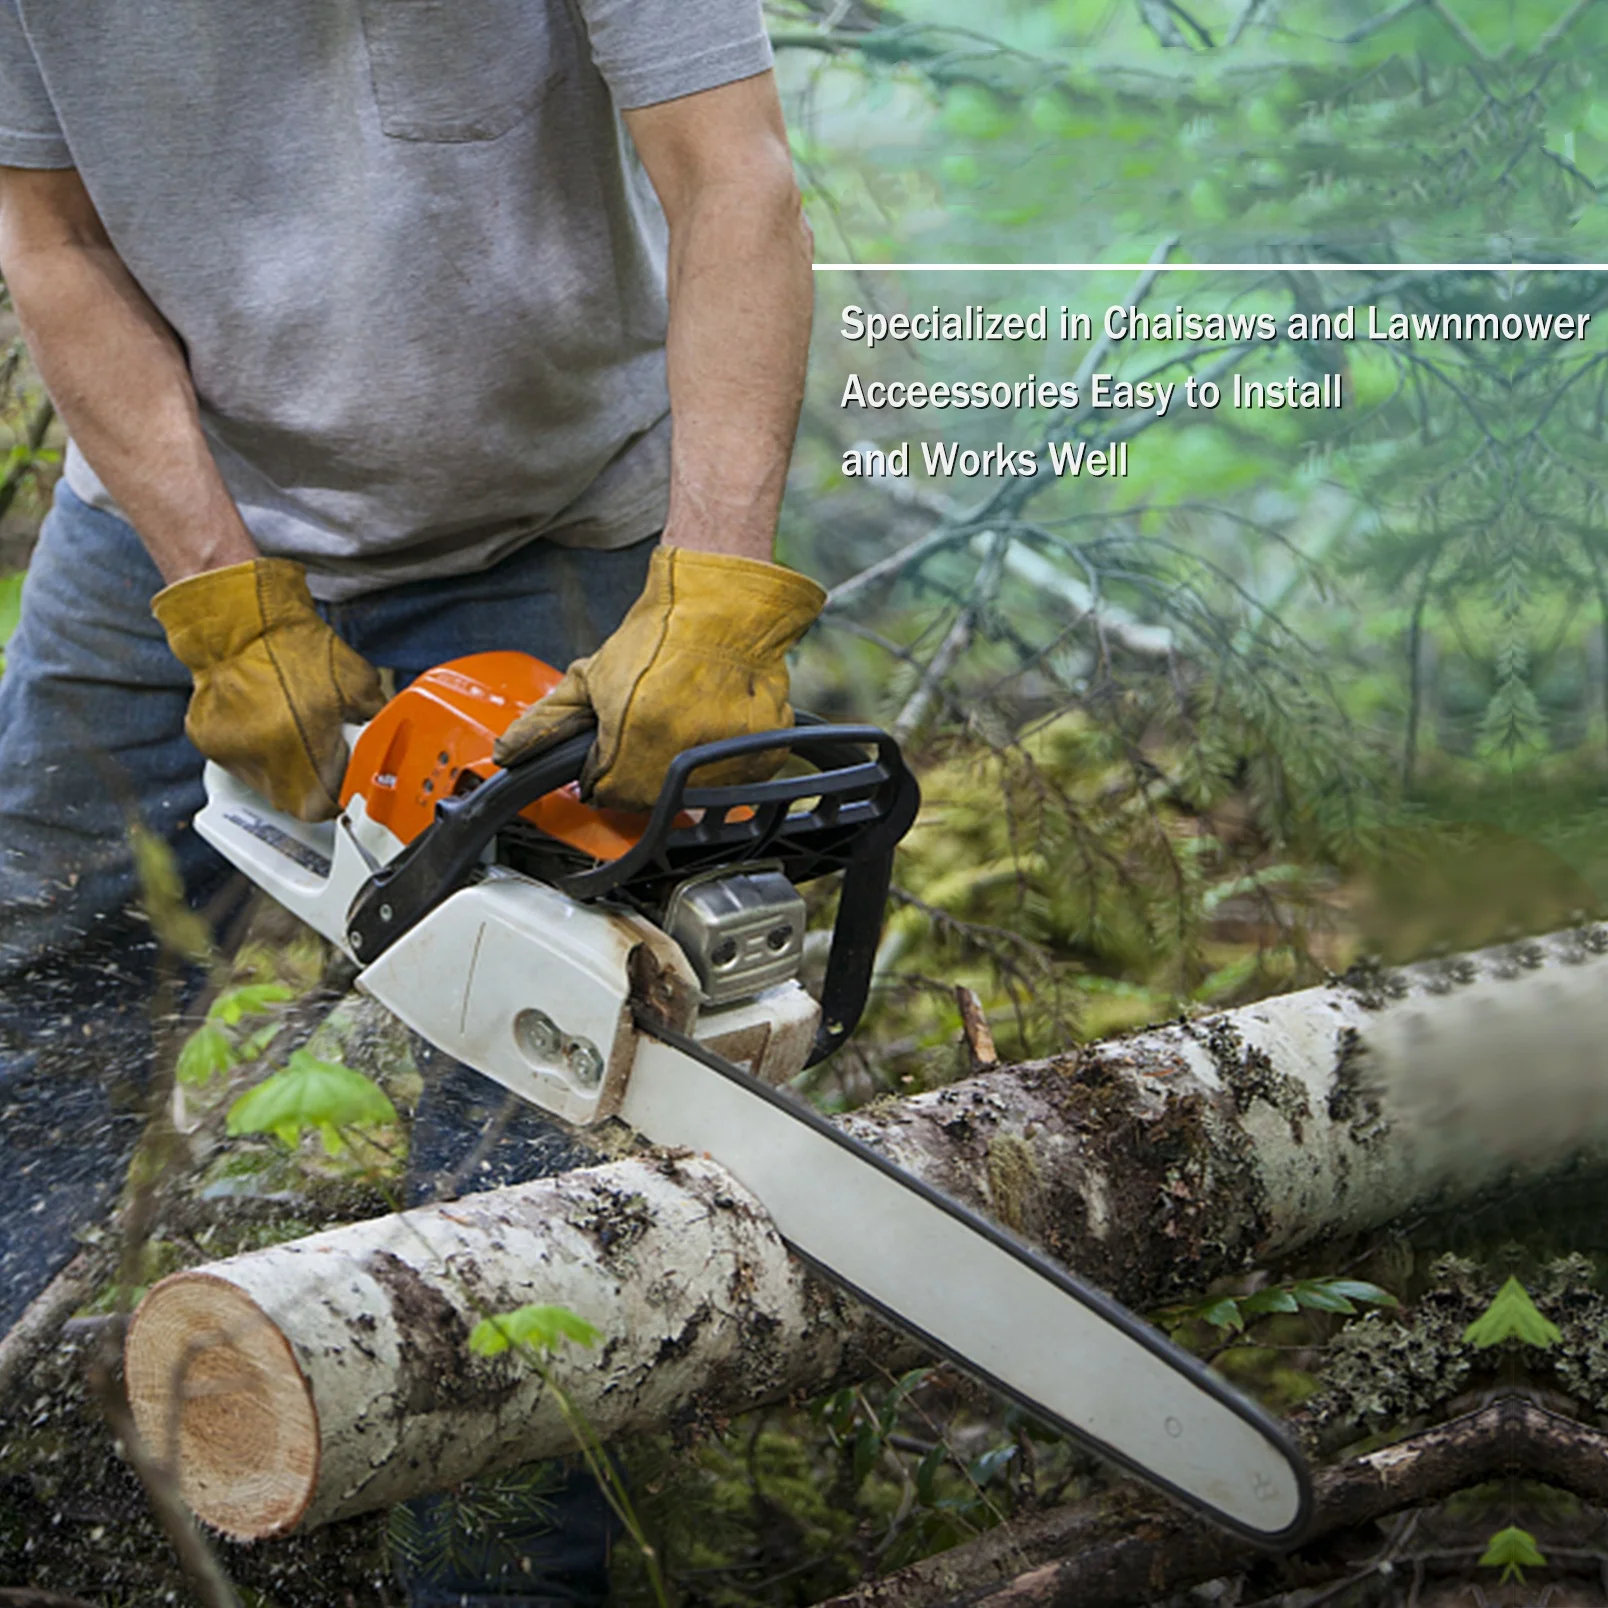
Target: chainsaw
{"type": "Point", "coordinates": [605, 964]}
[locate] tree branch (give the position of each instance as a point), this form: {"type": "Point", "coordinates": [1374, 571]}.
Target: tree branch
{"type": "Point", "coordinates": [38, 1327]}
{"type": "Point", "coordinates": [1117, 1556]}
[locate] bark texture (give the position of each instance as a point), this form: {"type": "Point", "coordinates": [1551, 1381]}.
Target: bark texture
{"type": "Point", "coordinates": [333, 1374]}
{"type": "Point", "coordinates": [1149, 1165]}
{"type": "Point", "coordinates": [1154, 1163]}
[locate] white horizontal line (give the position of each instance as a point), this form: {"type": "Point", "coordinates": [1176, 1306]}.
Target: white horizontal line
{"type": "Point", "coordinates": [1210, 267]}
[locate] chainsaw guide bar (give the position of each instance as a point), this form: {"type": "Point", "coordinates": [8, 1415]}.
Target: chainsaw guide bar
{"type": "Point", "coordinates": [601, 964]}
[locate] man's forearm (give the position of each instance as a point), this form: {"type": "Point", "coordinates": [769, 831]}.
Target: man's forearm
{"type": "Point", "coordinates": [117, 375]}
{"type": "Point", "coordinates": [740, 302]}
{"type": "Point", "coordinates": [740, 306]}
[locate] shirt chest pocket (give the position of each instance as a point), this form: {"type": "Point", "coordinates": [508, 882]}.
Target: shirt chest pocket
{"type": "Point", "coordinates": [448, 70]}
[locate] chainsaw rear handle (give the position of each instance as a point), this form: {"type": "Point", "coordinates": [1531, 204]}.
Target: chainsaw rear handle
{"type": "Point", "coordinates": [863, 806]}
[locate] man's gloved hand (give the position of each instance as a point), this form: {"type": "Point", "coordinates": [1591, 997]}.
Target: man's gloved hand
{"type": "Point", "coordinates": [702, 654]}
{"type": "Point", "coordinates": [273, 682]}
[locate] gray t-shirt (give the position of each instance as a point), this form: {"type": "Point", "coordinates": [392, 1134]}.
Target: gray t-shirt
{"type": "Point", "coordinates": [415, 263]}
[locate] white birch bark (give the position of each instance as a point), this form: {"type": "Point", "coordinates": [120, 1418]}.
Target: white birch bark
{"type": "Point", "coordinates": [331, 1375]}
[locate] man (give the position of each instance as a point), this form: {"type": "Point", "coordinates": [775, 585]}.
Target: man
{"type": "Point", "coordinates": [368, 320]}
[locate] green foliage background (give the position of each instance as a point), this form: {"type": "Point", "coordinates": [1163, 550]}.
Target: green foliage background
{"type": "Point", "coordinates": [1305, 684]}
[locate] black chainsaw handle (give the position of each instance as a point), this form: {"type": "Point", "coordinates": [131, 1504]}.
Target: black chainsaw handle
{"type": "Point", "coordinates": [439, 860]}
{"type": "Point", "coordinates": [856, 936]}
{"type": "Point", "coordinates": [864, 805]}
{"type": "Point", "coordinates": [866, 801]}
{"type": "Point", "coordinates": [871, 799]}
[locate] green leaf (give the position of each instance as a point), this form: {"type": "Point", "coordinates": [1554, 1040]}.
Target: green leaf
{"type": "Point", "coordinates": [1512, 1551]}
{"type": "Point", "coordinates": [250, 999]}
{"type": "Point", "coordinates": [176, 926]}
{"type": "Point", "coordinates": [927, 1473]}
{"type": "Point", "coordinates": [256, 1044]}
{"type": "Point", "coordinates": [542, 1328]}
{"type": "Point", "coordinates": [1269, 1300]}
{"type": "Point", "coordinates": [867, 1445]}
{"type": "Point", "coordinates": [1321, 1296]}
{"type": "Point", "coordinates": [1223, 1314]}
{"type": "Point", "coordinates": [1512, 1316]}
{"type": "Point", "coordinates": [206, 1052]}
{"type": "Point", "coordinates": [837, 1411]}
{"type": "Point", "coordinates": [906, 1383]}
{"type": "Point", "coordinates": [1360, 1290]}
{"type": "Point", "coordinates": [10, 610]}
{"type": "Point", "coordinates": [311, 1094]}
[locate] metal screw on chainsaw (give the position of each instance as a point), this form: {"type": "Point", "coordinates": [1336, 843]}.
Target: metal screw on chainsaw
{"type": "Point", "coordinates": [778, 938]}
{"type": "Point", "coordinates": [538, 1036]}
{"type": "Point", "coordinates": [724, 953]}
{"type": "Point", "coordinates": [385, 912]}
{"type": "Point", "coordinates": [585, 1062]}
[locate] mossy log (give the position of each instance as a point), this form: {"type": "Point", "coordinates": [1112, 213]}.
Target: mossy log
{"type": "Point", "coordinates": [329, 1375]}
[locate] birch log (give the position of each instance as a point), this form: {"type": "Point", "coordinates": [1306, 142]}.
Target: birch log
{"type": "Point", "coordinates": [324, 1377]}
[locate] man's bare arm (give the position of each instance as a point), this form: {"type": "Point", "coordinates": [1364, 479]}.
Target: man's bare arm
{"type": "Point", "coordinates": [740, 305]}
{"type": "Point", "coordinates": [116, 372]}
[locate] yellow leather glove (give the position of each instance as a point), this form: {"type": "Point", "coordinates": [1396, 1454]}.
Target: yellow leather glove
{"type": "Point", "coordinates": [272, 682]}
{"type": "Point", "coordinates": [702, 654]}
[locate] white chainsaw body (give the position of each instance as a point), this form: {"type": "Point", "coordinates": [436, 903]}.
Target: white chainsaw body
{"type": "Point", "coordinates": [508, 975]}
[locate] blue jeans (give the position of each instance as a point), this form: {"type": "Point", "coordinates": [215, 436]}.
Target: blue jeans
{"type": "Point", "coordinates": [92, 705]}
{"type": "Point", "coordinates": [91, 741]}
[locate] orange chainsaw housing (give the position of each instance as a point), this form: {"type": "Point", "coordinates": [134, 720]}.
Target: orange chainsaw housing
{"type": "Point", "coordinates": [412, 754]}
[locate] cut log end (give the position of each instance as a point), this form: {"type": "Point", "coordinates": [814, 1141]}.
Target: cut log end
{"type": "Point", "coordinates": [217, 1394]}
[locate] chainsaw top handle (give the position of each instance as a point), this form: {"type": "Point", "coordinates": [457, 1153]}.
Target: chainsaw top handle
{"type": "Point", "coordinates": [862, 801]}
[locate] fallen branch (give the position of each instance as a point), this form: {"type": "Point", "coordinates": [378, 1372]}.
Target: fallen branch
{"type": "Point", "coordinates": [27, 1597]}
{"type": "Point", "coordinates": [1083, 1557]}
{"type": "Point", "coordinates": [332, 1375]}
{"type": "Point", "coordinates": [41, 1323]}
